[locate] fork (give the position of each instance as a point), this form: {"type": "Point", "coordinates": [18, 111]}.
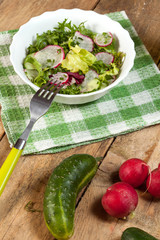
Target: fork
{"type": "Point", "coordinates": [39, 105]}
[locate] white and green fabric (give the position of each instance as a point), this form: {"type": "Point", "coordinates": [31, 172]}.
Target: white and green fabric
{"type": "Point", "coordinates": [133, 104]}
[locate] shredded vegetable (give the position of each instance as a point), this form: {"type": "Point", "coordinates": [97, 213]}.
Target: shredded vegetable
{"type": "Point", "coordinates": [75, 51]}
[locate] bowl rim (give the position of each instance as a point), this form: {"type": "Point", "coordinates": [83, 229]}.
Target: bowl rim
{"type": "Point", "coordinates": [22, 27]}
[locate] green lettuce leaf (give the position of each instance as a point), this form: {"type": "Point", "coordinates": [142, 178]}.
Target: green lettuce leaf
{"type": "Point", "coordinates": [31, 63]}
{"type": "Point", "coordinates": [107, 75]}
{"type": "Point", "coordinates": [33, 70]}
{"type": "Point", "coordinates": [74, 63]}
{"type": "Point", "coordinates": [114, 70]}
{"type": "Point", "coordinates": [86, 56]}
{"type": "Point", "coordinates": [78, 59]}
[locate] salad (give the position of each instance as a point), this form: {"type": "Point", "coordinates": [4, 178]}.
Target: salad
{"type": "Point", "coordinates": [80, 59]}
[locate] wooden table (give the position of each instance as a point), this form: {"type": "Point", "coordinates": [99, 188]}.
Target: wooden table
{"type": "Point", "coordinates": [30, 176]}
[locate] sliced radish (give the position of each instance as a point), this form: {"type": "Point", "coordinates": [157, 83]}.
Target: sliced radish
{"type": "Point", "coordinates": [91, 74]}
{"type": "Point", "coordinates": [60, 77]}
{"type": "Point", "coordinates": [106, 57]}
{"type": "Point", "coordinates": [90, 81]}
{"type": "Point", "coordinates": [103, 39]}
{"type": "Point", "coordinates": [50, 56]}
{"type": "Point", "coordinates": [84, 42]}
{"type": "Point", "coordinates": [92, 85]}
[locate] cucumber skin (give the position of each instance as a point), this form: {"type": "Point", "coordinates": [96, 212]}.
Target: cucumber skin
{"type": "Point", "coordinates": [66, 181]}
{"type": "Point", "coordinates": [134, 233]}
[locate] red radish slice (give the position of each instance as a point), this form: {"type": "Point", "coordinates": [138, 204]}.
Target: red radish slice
{"type": "Point", "coordinates": [84, 42]}
{"type": "Point", "coordinates": [51, 56]}
{"type": "Point", "coordinates": [106, 57]}
{"type": "Point", "coordinates": [90, 75]}
{"type": "Point", "coordinates": [103, 39]}
{"type": "Point", "coordinates": [60, 77]}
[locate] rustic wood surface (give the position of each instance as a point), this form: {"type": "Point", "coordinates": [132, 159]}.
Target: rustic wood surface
{"type": "Point", "coordinates": [31, 174]}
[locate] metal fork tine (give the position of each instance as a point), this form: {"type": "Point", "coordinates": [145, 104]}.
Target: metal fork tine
{"type": "Point", "coordinates": [44, 86]}
{"type": "Point", "coordinates": [54, 94]}
{"type": "Point", "coordinates": [55, 86]}
{"type": "Point", "coordinates": [39, 105]}
{"type": "Point", "coordinates": [47, 92]}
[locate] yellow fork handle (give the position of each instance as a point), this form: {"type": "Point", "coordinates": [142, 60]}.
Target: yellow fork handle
{"type": "Point", "coordinates": [8, 167]}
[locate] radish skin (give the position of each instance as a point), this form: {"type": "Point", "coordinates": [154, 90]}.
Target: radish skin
{"type": "Point", "coordinates": [134, 171]}
{"type": "Point", "coordinates": [120, 200]}
{"type": "Point", "coordinates": [53, 53]}
{"type": "Point", "coordinates": [103, 39]}
{"type": "Point", "coordinates": [153, 182]}
{"type": "Point", "coordinates": [85, 42]}
{"type": "Point", "coordinates": [90, 75]}
{"type": "Point", "coordinates": [60, 77]}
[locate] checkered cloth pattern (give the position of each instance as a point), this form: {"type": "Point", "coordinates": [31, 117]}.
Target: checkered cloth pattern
{"type": "Point", "coordinates": [131, 105]}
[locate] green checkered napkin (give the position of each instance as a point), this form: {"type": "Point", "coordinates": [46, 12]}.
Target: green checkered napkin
{"type": "Point", "coordinates": [133, 104]}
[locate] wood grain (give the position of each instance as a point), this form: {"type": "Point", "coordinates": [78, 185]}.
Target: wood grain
{"type": "Point", "coordinates": [14, 13]}
{"type": "Point", "coordinates": [28, 185]}
{"type": "Point", "coordinates": [100, 224]}
{"type": "Point", "coordinates": [31, 174]}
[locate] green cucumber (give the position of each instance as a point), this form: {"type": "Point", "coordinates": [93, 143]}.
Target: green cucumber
{"type": "Point", "coordinates": [66, 181]}
{"type": "Point", "coordinates": [134, 233]}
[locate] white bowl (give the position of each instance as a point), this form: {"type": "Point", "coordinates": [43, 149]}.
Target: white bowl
{"type": "Point", "coordinates": [94, 21]}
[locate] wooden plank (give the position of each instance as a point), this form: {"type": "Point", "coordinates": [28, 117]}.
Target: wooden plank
{"type": "Point", "coordinates": [144, 17]}
{"type": "Point", "coordinates": [27, 183]}
{"type": "Point", "coordinates": [15, 13]}
{"type": "Point", "coordinates": [100, 225]}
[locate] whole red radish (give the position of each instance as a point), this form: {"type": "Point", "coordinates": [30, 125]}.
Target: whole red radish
{"type": "Point", "coordinates": [134, 171]}
{"type": "Point", "coordinates": [153, 182]}
{"type": "Point", "coordinates": [120, 200]}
